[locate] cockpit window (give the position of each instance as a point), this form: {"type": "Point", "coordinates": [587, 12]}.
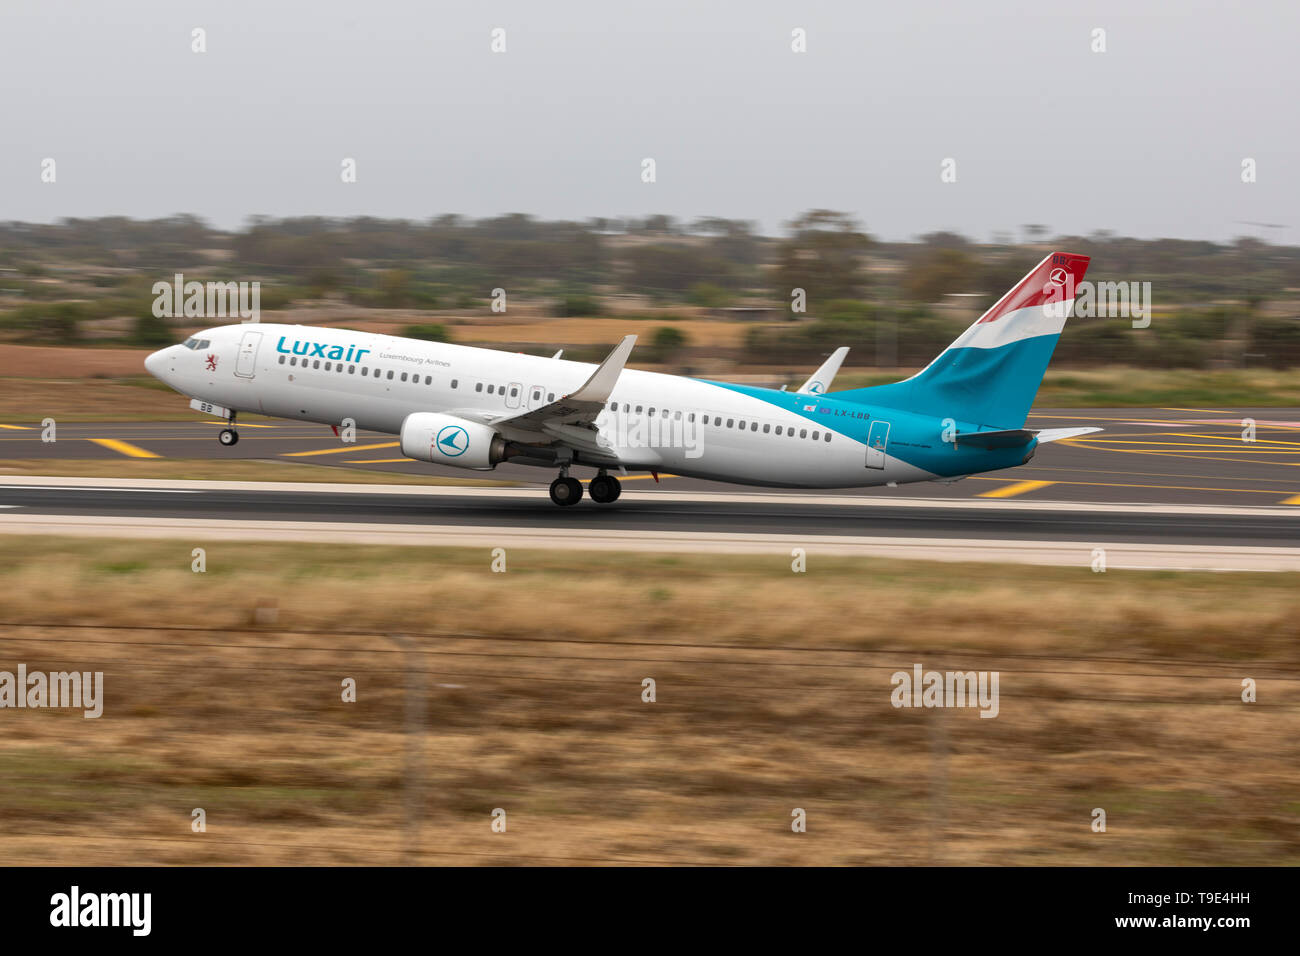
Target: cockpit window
{"type": "Point", "coordinates": [194, 344]}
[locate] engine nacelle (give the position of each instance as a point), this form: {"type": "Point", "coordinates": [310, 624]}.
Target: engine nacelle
{"type": "Point", "coordinates": [448, 440]}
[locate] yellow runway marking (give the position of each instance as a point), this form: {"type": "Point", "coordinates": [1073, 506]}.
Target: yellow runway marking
{"type": "Point", "coordinates": [18, 428]}
{"type": "Point", "coordinates": [241, 425]}
{"type": "Point", "coordinates": [124, 447]}
{"type": "Point", "coordinates": [1019, 488]}
{"type": "Point", "coordinates": [1117, 484]}
{"type": "Point", "coordinates": [1211, 411]}
{"type": "Point", "coordinates": [1292, 501]}
{"type": "Point", "coordinates": [346, 449]}
{"type": "Point", "coordinates": [379, 461]}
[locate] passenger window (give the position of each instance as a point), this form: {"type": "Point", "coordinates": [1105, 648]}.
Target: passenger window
{"type": "Point", "coordinates": [690, 417]}
{"type": "Point", "coordinates": [677, 416]}
{"type": "Point", "coordinates": [766, 429]}
{"type": "Point", "coordinates": [718, 421]}
{"type": "Point", "coordinates": [352, 369]}
{"type": "Point", "coordinates": [365, 370]}
{"type": "Point", "coordinates": [455, 383]}
{"type": "Point", "coordinates": [803, 433]}
{"type": "Point", "coordinates": [753, 426]}
{"type": "Point", "coordinates": [828, 436]}
{"type": "Point", "coordinates": [731, 423]}
{"type": "Point", "coordinates": [281, 359]}
{"type": "Point", "coordinates": [390, 374]}
{"type": "Point", "coordinates": [478, 386]}
{"type": "Point", "coordinates": [613, 406]}
{"type": "Point", "coordinates": [403, 376]}
{"type": "Point", "coordinates": [492, 389]}
{"type": "Point", "coordinates": [816, 435]}
{"type": "Point", "coordinates": [778, 429]}
{"type": "Point", "coordinates": [428, 380]}
{"type": "Point", "coordinates": [651, 413]}
{"type": "Point", "coordinates": [638, 409]}
{"type": "Point", "coordinates": [514, 392]}
{"type": "Point", "coordinates": [550, 397]}
{"type": "Point", "coordinates": [316, 364]}
{"type": "Point", "coordinates": [327, 366]}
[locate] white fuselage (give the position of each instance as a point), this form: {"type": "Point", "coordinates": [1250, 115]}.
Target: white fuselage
{"type": "Point", "coordinates": [332, 375]}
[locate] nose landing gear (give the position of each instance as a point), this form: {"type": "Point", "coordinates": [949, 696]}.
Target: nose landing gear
{"type": "Point", "coordinates": [228, 436]}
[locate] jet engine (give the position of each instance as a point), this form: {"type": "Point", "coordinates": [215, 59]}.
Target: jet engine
{"type": "Point", "coordinates": [448, 440]}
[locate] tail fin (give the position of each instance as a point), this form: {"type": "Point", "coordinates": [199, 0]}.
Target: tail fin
{"type": "Point", "coordinates": [991, 373]}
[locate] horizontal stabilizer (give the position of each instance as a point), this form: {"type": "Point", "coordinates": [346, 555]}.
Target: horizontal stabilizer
{"type": "Point", "coordinates": [1056, 434]}
{"type": "Point", "coordinates": [1008, 438]}
{"type": "Point", "coordinates": [1015, 437]}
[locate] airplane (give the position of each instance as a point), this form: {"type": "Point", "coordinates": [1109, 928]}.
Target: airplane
{"type": "Point", "coordinates": [473, 408]}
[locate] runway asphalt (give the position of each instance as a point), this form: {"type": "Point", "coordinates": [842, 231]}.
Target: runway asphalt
{"type": "Point", "coordinates": [1151, 455]}
{"type": "Point", "coordinates": [785, 514]}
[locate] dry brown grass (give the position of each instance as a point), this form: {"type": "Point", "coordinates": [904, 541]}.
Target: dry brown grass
{"type": "Point", "coordinates": [28, 401]}
{"type": "Point", "coordinates": [1118, 691]}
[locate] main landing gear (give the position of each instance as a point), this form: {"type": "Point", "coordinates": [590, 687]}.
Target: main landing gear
{"type": "Point", "coordinates": [567, 491]}
{"type": "Point", "coordinates": [604, 488]}
{"type": "Point", "coordinates": [228, 436]}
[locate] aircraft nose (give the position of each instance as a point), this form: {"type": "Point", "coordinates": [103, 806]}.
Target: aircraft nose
{"type": "Point", "coordinates": [156, 364]}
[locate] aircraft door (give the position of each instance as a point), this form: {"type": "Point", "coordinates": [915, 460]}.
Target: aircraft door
{"type": "Point", "coordinates": [514, 392]}
{"type": "Point", "coordinates": [536, 396]}
{"type": "Point", "coordinates": [877, 443]}
{"type": "Point", "coordinates": [246, 363]}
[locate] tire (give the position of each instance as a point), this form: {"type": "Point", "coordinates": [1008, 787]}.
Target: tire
{"type": "Point", "coordinates": [228, 436]}
{"type": "Point", "coordinates": [566, 491]}
{"type": "Point", "coordinates": [604, 489]}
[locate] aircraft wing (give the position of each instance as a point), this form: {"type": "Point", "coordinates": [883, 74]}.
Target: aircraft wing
{"type": "Point", "coordinates": [820, 380]}
{"type": "Point", "coordinates": [571, 418]}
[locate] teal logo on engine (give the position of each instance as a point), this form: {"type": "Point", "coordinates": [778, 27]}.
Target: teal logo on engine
{"type": "Point", "coordinates": [452, 441]}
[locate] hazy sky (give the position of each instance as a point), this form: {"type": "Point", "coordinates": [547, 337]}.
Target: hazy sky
{"type": "Point", "coordinates": [1145, 139]}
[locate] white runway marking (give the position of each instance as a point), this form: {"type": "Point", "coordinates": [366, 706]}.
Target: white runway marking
{"type": "Point", "coordinates": [169, 491]}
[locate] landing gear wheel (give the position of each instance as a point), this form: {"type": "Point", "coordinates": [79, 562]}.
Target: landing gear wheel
{"type": "Point", "coordinates": [566, 491]}
{"type": "Point", "coordinates": [604, 489]}
{"type": "Point", "coordinates": [228, 436]}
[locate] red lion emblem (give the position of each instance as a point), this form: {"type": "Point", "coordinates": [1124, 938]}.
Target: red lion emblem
{"type": "Point", "coordinates": [212, 362]}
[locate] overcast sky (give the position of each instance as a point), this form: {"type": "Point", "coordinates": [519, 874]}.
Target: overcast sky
{"type": "Point", "coordinates": [1146, 139]}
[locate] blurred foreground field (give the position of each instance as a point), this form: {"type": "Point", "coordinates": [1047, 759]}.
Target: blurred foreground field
{"type": "Point", "coordinates": [1118, 690]}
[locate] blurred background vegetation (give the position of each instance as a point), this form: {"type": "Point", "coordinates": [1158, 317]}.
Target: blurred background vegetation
{"type": "Point", "coordinates": [88, 282]}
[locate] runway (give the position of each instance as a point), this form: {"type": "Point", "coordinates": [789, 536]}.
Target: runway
{"type": "Point", "coordinates": [1171, 488]}
{"type": "Point", "coordinates": [1146, 455]}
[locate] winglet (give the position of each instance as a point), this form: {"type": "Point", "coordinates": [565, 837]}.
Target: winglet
{"type": "Point", "coordinates": [601, 384]}
{"type": "Point", "coordinates": [823, 377]}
